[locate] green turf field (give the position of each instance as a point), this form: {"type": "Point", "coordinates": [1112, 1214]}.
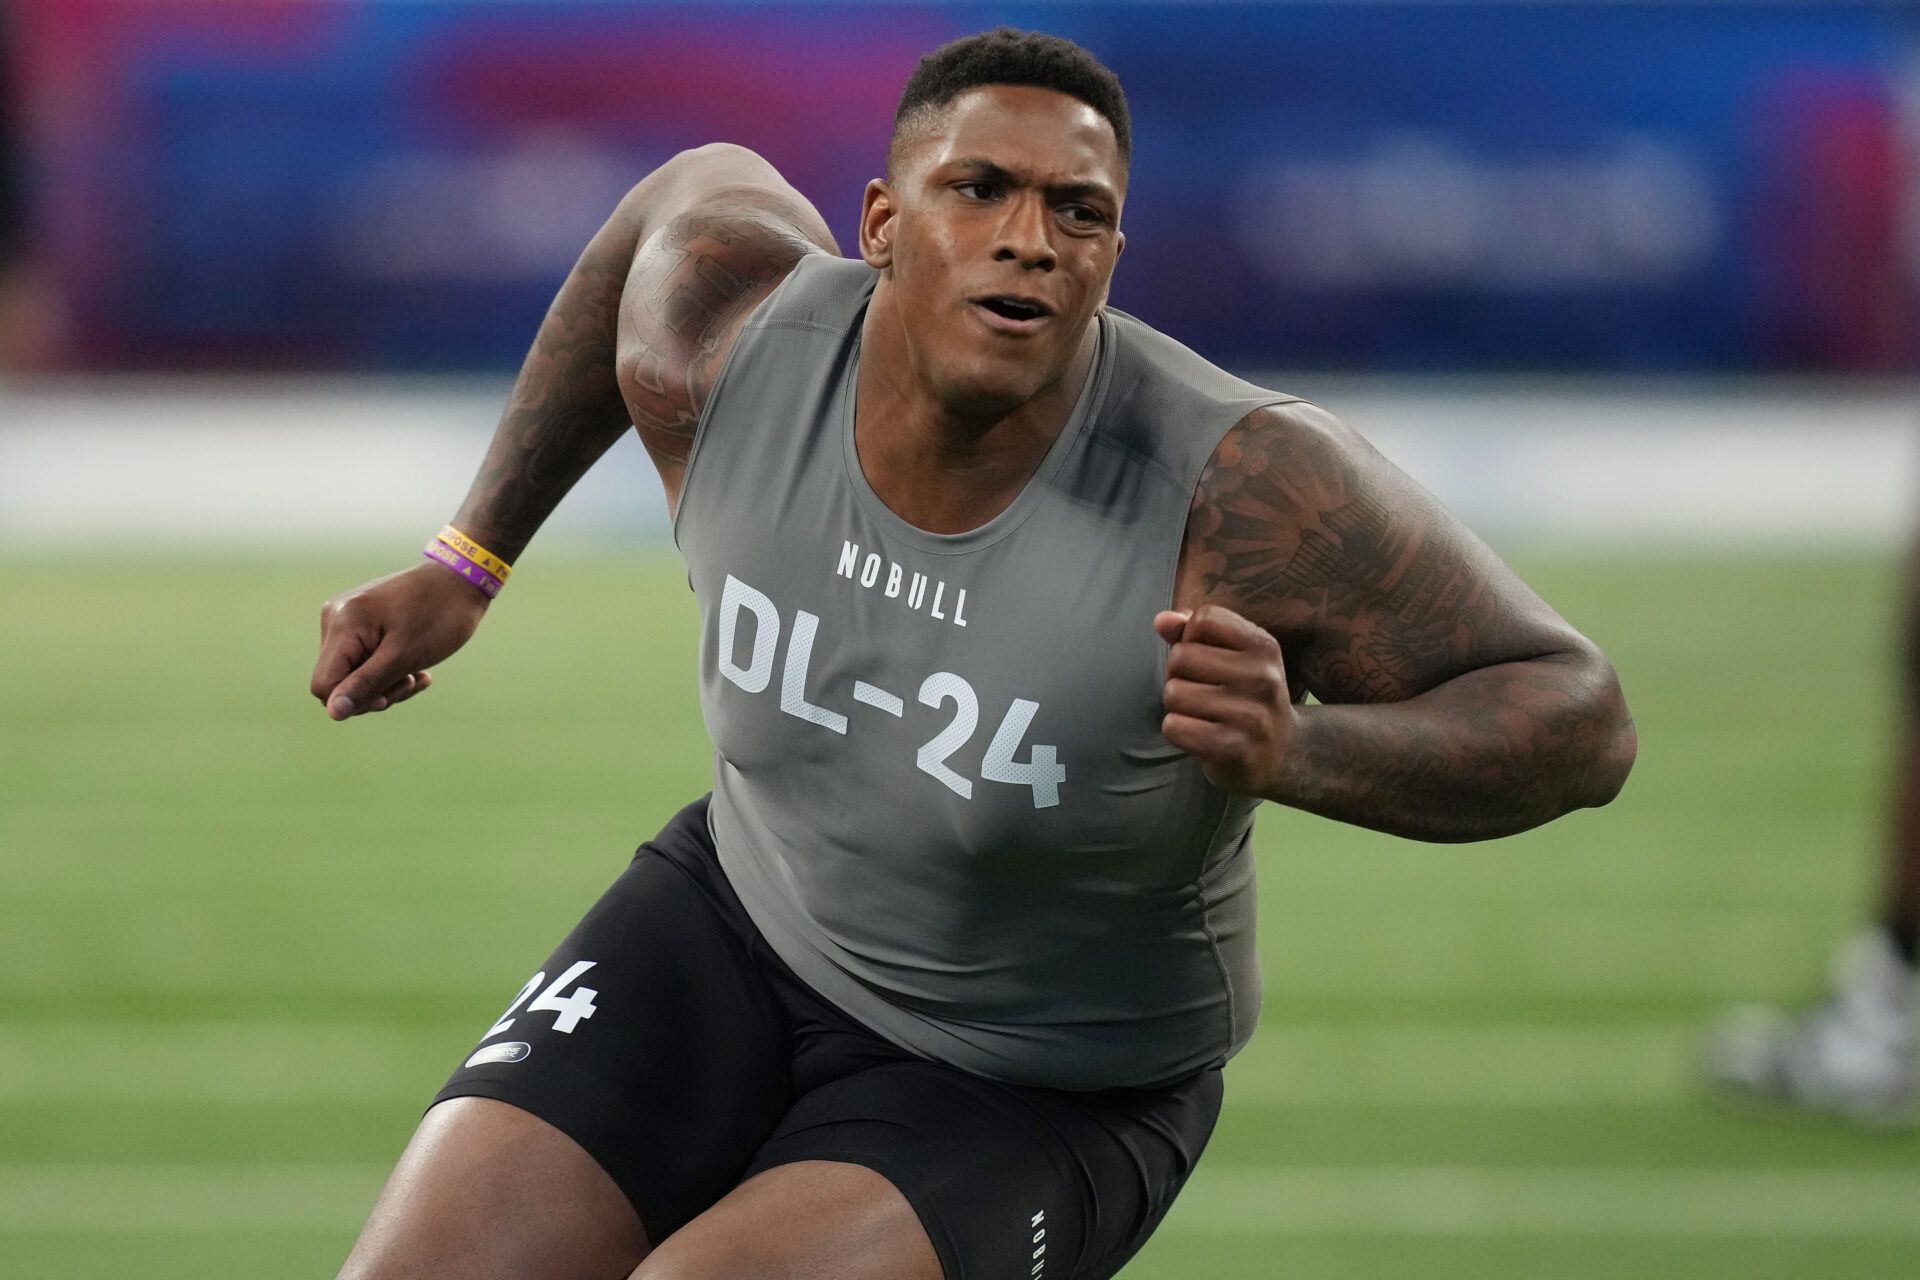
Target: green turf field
{"type": "Point", "coordinates": [240, 945]}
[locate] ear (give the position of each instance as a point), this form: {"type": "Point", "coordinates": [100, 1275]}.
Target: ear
{"type": "Point", "coordinates": [1119, 244]}
{"type": "Point", "coordinates": [876, 224]}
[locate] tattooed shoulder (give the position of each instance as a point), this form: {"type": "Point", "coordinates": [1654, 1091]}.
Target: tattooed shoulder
{"type": "Point", "coordinates": [1375, 591]}
{"type": "Point", "coordinates": [691, 285]}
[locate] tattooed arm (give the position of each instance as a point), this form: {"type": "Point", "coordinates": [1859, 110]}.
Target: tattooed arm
{"type": "Point", "coordinates": [638, 333]}
{"type": "Point", "coordinates": [636, 336]}
{"type": "Point", "coordinates": [1454, 703]}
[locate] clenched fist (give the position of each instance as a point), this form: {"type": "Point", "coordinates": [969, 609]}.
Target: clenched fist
{"type": "Point", "coordinates": [377, 641]}
{"type": "Point", "coordinates": [1228, 705]}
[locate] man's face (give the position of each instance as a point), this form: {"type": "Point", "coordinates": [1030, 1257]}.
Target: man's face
{"type": "Point", "coordinates": [1000, 228]}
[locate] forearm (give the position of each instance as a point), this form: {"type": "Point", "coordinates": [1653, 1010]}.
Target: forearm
{"type": "Point", "coordinates": [1486, 754]}
{"type": "Point", "coordinates": [566, 409]}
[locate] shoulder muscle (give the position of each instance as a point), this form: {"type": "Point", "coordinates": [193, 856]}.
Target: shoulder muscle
{"type": "Point", "coordinates": [1374, 589]}
{"type": "Point", "coordinates": [719, 240]}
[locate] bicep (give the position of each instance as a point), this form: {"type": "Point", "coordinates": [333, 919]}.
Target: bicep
{"type": "Point", "coordinates": [1376, 592]}
{"type": "Point", "coordinates": [721, 231]}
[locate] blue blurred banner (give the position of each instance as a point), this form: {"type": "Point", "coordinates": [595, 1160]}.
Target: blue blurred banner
{"type": "Point", "coordinates": [1396, 187]}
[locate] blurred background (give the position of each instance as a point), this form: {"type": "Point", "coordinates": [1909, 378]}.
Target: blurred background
{"type": "Point", "coordinates": [1635, 287]}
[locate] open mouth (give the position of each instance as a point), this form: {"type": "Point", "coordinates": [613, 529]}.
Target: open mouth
{"type": "Point", "coordinates": [1013, 311]}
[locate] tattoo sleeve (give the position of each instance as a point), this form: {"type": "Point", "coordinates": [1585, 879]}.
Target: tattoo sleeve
{"type": "Point", "coordinates": [565, 409]}
{"type": "Point", "coordinates": [685, 298]}
{"type": "Point", "coordinates": [634, 337]}
{"type": "Point", "coordinates": [1455, 704]}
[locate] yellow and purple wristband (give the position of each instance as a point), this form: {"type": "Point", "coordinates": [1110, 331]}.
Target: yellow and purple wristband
{"type": "Point", "coordinates": [470, 560]}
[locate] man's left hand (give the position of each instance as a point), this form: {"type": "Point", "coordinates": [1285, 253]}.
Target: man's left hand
{"type": "Point", "coordinates": [1228, 705]}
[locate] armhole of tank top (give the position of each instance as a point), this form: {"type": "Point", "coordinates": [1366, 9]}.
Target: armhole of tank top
{"type": "Point", "coordinates": [756, 319]}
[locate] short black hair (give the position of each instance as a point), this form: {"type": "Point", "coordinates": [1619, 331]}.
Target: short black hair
{"type": "Point", "coordinates": [1006, 55]}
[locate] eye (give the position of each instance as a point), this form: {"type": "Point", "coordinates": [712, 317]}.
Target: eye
{"type": "Point", "coordinates": [1084, 215]}
{"type": "Point", "coordinates": [976, 189]}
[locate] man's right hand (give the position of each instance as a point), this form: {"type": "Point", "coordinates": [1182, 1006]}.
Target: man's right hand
{"type": "Point", "coordinates": [377, 641]}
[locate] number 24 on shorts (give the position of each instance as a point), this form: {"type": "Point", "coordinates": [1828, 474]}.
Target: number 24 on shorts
{"type": "Point", "coordinates": [572, 1010]}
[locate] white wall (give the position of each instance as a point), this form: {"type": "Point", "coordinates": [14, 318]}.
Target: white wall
{"type": "Point", "coordinates": [323, 463]}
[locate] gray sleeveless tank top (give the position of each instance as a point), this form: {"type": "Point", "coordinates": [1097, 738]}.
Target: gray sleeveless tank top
{"type": "Point", "coordinates": [940, 787]}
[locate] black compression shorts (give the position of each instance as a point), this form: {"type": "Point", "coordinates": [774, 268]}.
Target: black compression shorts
{"type": "Point", "coordinates": [667, 1039]}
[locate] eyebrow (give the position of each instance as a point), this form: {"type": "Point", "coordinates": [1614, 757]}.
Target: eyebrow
{"type": "Point", "coordinates": [1066, 190]}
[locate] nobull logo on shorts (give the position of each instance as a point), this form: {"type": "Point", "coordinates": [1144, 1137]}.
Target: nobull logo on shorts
{"type": "Point", "coordinates": [1039, 1242]}
{"type": "Point", "coordinates": [511, 1051]}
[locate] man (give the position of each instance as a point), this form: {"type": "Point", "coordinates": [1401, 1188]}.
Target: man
{"type": "Point", "coordinates": [1009, 608]}
{"type": "Point", "coordinates": [1854, 1053]}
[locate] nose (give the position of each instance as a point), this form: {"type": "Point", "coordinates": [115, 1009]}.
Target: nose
{"type": "Point", "coordinates": [1024, 234]}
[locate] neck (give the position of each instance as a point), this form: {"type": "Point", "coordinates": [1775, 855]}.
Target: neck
{"type": "Point", "coordinates": [941, 465]}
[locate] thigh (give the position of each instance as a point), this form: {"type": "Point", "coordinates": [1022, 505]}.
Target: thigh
{"type": "Point", "coordinates": [1009, 1182]}
{"type": "Point", "coordinates": [810, 1218]}
{"type": "Point", "coordinates": [648, 1043]}
{"type": "Point", "coordinates": [486, 1191]}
